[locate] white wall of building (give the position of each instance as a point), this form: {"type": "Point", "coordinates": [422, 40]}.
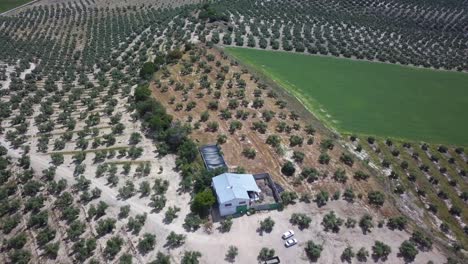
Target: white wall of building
{"type": "Point", "coordinates": [230, 207]}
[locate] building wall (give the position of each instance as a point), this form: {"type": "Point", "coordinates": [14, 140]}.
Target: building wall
{"type": "Point", "coordinates": [232, 208]}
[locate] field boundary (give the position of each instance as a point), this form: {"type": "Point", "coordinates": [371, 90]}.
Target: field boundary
{"type": "Point", "coordinates": [410, 66]}
{"type": "Point", "coordinates": [293, 101]}
{"type": "Point", "coordinates": [19, 7]}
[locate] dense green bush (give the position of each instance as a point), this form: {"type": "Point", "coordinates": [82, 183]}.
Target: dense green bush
{"type": "Point", "coordinates": [203, 201]}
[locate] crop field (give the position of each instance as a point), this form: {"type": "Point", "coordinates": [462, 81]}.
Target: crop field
{"type": "Point", "coordinates": [6, 5]}
{"type": "Point", "coordinates": [371, 98]}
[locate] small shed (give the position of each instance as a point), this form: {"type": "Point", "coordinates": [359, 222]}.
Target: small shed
{"type": "Point", "coordinates": [235, 192]}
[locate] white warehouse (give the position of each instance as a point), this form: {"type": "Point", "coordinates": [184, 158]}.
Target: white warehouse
{"type": "Point", "coordinates": [235, 192]}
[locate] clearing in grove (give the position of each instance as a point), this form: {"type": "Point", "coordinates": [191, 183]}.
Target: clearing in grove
{"type": "Point", "coordinates": [371, 98]}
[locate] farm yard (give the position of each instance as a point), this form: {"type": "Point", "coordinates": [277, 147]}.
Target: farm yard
{"type": "Point", "coordinates": [371, 98]}
{"type": "Point", "coordinates": [101, 121]}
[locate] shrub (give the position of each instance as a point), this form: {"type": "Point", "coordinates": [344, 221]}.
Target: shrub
{"type": "Point", "coordinates": [125, 259]}
{"type": "Point", "coordinates": [273, 140]}
{"type": "Point", "coordinates": [267, 225]}
{"type": "Point", "coordinates": [350, 223]}
{"type": "Point", "coordinates": [288, 197]}
{"type": "Point", "coordinates": [313, 250]}
{"type": "Point", "coordinates": [38, 220]}
{"type": "Point", "coordinates": [175, 240]}
{"type": "Point", "coordinates": [234, 125]}
{"type": "Point", "coordinates": [349, 195]}
{"type": "Point", "coordinates": [51, 250]}
{"type": "Point", "coordinates": [17, 242]}
{"type": "Point", "coordinates": [147, 243]}
{"type": "Point", "coordinates": [249, 153]}
{"type": "Point", "coordinates": [265, 254]}
{"type": "Point", "coordinates": [57, 158]}
{"type": "Point", "coordinates": [124, 211]}
{"type": "Point", "coordinates": [212, 126]}
{"type": "Point", "coordinates": [324, 158]}
{"type": "Point", "coordinates": [455, 210]}
{"type": "Point", "coordinates": [105, 226]}
{"type": "Point", "coordinates": [75, 230]}
{"type": "Point", "coordinates": [310, 174]}
{"type": "Point", "coordinates": [113, 246]}
{"type": "Point", "coordinates": [340, 176]}
{"type": "Point", "coordinates": [203, 201]}
{"type": "Point", "coordinates": [408, 250]}
{"type": "Point", "coordinates": [398, 222]}
{"type": "Point", "coordinates": [135, 224]}
{"type": "Point", "coordinates": [327, 144]}
{"type": "Point", "coordinates": [226, 224]}
{"type": "Point", "coordinates": [288, 168]}
{"type": "Point", "coordinates": [366, 223]}
{"type": "Point", "coordinates": [309, 129]}
{"type": "Point", "coordinates": [147, 70]}
{"type": "Point", "coordinates": [191, 257]}
{"type": "Point", "coordinates": [127, 191]}
{"type": "Point", "coordinates": [381, 250]}
{"type": "Point", "coordinates": [301, 220]}
{"type": "Point", "coordinates": [347, 254]}
{"type": "Point", "coordinates": [192, 222]}
{"type": "Point", "coordinates": [459, 150]}
{"type": "Point", "coordinates": [362, 254]}
{"type": "Point", "coordinates": [232, 253]}
{"type": "Point", "coordinates": [161, 258]}
{"type": "Point", "coordinates": [423, 241]}
{"type": "Point", "coordinates": [322, 198]}
{"type": "Point", "coordinates": [135, 138]}
{"type": "Point", "coordinates": [376, 198]}
{"type": "Point", "coordinates": [295, 141]}
{"type": "Point", "coordinates": [360, 175]}
{"type": "Point", "coordinates": [347, 159]}
{"type": "Point", "coordinates": [171, 214]}
{"type": "Point", "coordinates": [20, 256]}
{"type": "Point", "coordinates": [173, 56]}
{"type": "Point", "coordinates": [332, 222]}
{"type": "Point", "coordinates": [298, 156]}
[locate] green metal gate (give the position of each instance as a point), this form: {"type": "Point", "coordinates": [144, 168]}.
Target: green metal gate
{"type": "Point", "coordinates": [241, 209]}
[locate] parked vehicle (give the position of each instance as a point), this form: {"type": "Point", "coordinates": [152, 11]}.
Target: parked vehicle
{"type": "Point", "coordinates": [288, 234]}
{"type": "Point", "coordinates": [290, 242]}
{"type": "Point", "coordinates": [273, 260]}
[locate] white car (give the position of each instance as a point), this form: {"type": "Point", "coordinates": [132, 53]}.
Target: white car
{"type": "Point", "coordinates": [288, 234]}
{"type": "Point", "coordinates": [290, 242]}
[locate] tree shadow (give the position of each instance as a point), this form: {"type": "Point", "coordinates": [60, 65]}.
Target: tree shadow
{"type": "Point", "coordinates": [406, 259]}
{"type": "Point", "coordinates": [377, 258]}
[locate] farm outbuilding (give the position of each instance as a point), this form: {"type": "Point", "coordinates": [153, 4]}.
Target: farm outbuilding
{"type": "Point", "coordinates": [235, 192]}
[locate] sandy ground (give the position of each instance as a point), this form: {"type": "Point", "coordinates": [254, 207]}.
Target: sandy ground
{"type": "Point", "coordinates": [243, 233]}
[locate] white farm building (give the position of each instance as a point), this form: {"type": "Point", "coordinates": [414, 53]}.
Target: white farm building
{"type": "Point", "coordinates": [235, 192]}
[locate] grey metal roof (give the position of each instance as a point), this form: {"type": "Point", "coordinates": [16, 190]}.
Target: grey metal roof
{"type": "Point", "coordinates": [231, 186]}
{"type": "Point", "coordinates": [212, 157]}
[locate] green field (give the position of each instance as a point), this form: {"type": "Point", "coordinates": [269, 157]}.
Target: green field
{"type": "Point", "coordinates": [371, 98]}
{"type": "Point", "coordinates": [9, 4]}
